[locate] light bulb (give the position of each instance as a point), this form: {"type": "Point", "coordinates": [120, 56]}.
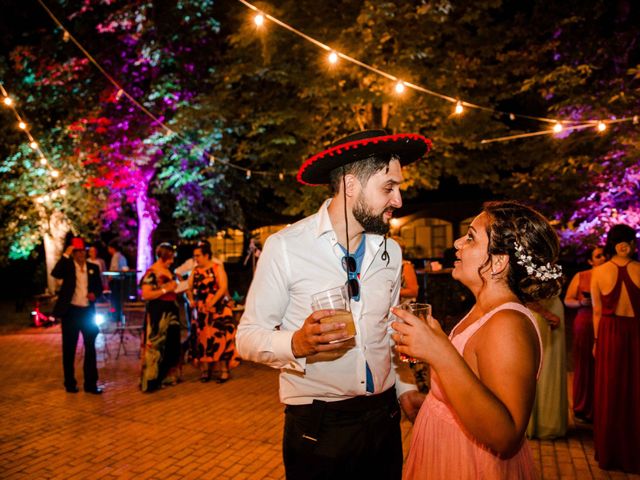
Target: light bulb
{"type": "Point", "coordinates": [281, 176]}
{"type": "Point", "coordinates": [55, 173]}
{"type": "Point", "coordinates": [22, 125]}
{"type": "Point", "coordinates": [7, 101]}
{"type": "Point", "coordinates": [459, 108]}
{"type": "Point", "coordinates": [333, 58]}
{"type": "Point", "coordinates": [43, 161]}
{"type": "Point", "coordinates": [63, 191]}
{"type": "Point", "coordinates": [33, 145]}
{"type": "Point", "coordinates": [400, 87]}
{"type": "Point", "coordinates": [248, 174]}
{"type": "Point", "coordinates": [259, 19]}
{"type": "Point", "coordinates": [557, 127]}
{"type": "Point", "coordinates": [39, 199]}
{"type": "Point", "coordinates": [601, 126]}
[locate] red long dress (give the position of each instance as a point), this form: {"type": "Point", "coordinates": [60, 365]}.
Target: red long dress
{"type": "Point", "coordinates": [583, 361]}
{"type": "Point", "coordinates": [616, 429]}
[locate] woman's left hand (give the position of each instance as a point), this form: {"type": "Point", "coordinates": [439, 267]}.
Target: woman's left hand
{"type": "Point", "coordinates": [419, 339]}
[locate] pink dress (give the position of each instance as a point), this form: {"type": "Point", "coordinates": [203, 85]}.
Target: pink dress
{"type": "Point", "coordinates": [440, 446]}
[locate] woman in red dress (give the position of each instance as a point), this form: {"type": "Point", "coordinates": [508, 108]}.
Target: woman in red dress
{"type": "Point", "coordinates": [615, 292]}
{"type": "Point", "coordinates": [579, 296]}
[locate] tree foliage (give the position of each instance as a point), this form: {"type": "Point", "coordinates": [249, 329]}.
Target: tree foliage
{"type": "Point", "coordinates": [251, 104]}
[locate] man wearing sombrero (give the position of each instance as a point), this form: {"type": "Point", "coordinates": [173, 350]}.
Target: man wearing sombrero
{"type": "Point", "coordinates": [342, 418]}
{"type": "Point", "coordinates": [81, 286]}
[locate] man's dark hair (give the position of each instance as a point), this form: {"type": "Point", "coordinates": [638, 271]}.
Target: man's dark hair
{"type": "Point", "coordinates": [362, 169]}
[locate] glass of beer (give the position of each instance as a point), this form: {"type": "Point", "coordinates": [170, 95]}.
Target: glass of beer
{"type": "Point", "coordinates": [335, 299]}
{"type": "Point", "coordinates": [420, 310]}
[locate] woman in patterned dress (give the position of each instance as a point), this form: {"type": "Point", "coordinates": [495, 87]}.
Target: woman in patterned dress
{"type": "Point", "coordinates": [213, 330]}
{"type": "Point", "coordinates": [161, 345]}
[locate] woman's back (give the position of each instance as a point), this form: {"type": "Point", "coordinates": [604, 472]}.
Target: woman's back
{"type": "Point", "coordinates": [619, 285]}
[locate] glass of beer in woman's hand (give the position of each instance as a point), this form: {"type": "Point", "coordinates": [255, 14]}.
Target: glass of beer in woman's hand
{"type": "Point", "coordinates": [420, 310]}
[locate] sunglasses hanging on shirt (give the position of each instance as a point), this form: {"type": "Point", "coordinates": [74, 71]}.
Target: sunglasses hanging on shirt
{"type": "Point", "coordinates": [349, 264]}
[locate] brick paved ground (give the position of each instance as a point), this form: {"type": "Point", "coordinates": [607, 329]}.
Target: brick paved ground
{"type": "Point", "coordinates": [192, 430]}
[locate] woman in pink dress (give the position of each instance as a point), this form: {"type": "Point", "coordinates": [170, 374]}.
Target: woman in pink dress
{"type": "Point", "coordinates": [579, 296]}
{"type": "Point", "coordinates": [615, 291]}
{"type": "Point", "coordinates": [472, 424]}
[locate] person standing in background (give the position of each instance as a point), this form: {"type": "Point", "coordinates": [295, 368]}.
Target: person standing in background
{"type": "Point", "coordinates": [549, 415]}
{"type": "Point", "coordinates": [162, 349]}
{"type": "Point", "coordinates": [81, 285]}
{"type": "Point", "coordinates": [579, 296]}
{"type": "Point", "coordinates": [118, 263]}
{"type": "Point", "coordinates": [615, 292]}
{"type": "Point", "coordinates": [213, 329]}
{"type": "Point", "coordinates": [409, 285]}
{"type": "Point", "coordinates": [95, 259]}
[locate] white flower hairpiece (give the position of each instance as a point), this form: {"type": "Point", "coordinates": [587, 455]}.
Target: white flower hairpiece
{"type": "Point", "coordinates": [542, 272]}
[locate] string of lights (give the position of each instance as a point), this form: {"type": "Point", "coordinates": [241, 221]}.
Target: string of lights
{"type": "Point", "coordinates": [559, 125]}
{"type": "Point", "coordinates": [9, 101]}
{"type": "Point", "coordinates": [121, 91]}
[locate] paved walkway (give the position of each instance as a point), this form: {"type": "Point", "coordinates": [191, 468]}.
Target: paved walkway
{"type": "Point", "coordinates": [192, 430]}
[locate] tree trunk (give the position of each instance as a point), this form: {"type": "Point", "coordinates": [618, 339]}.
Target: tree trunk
{"type": "Point", "coordinates": [147, 223]}
{"type": "Point", "coordinates": [55, 230]}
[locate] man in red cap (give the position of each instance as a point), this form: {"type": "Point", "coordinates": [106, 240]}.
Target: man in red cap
{"type": "Point", "coordinates": [81, 285]}
{"type": "Point", "coordinates": [342, 415]}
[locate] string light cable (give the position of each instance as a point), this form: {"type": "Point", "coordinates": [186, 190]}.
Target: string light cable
{"type": "Point", "coordinates": [10, 102]}
{"type": "Point", "coordinates": [400, 85]}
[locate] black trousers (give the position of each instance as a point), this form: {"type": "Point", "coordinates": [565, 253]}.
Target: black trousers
{"type": "Point", "coordinates": [355, 438]}
{"type": "Point", "coordinates": [79, 319]}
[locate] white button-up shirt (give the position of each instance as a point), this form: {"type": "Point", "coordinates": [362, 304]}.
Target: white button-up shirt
{"type": "Point", "coordinates": [80, 294]}
{"type": "Point", "coordinates": [297, 262]}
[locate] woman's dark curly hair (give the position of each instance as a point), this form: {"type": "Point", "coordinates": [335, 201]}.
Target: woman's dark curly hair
{"type": "Point", "coordinates": [205, 248]}
{"type": "Point", "coordinates": [617, 234]}
{"type": "Point", "coordinates": [511, 222]}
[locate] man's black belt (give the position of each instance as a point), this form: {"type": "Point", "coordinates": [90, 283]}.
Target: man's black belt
{"type": "Point", "coordinates": [354, 404]}
{"type": "Point", "coordinates": [360, 403]}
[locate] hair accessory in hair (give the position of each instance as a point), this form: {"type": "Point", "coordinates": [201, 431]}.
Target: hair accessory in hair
{"type": "Point", "coordinates": [542, 272]}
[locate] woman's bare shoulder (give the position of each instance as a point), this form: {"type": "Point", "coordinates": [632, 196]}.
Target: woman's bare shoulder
{"type": "Point", "coordinates": [507, 325]}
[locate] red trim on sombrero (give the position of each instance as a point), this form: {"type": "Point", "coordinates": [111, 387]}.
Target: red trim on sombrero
{"type": "Point", "coordinates": [355, 144]}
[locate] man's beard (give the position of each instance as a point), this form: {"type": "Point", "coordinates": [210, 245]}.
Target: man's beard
{"type": "Point", "coordinates": [368, 220]}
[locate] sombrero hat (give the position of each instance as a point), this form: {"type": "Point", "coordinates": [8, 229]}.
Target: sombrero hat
{"type": "Point", "coordinates": [78, 243]}
{"type": "Point", "coordinates": [409, 147]}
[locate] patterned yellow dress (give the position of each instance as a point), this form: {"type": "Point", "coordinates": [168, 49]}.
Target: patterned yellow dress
{"type": "Point", "coordinates": [213, 331]}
